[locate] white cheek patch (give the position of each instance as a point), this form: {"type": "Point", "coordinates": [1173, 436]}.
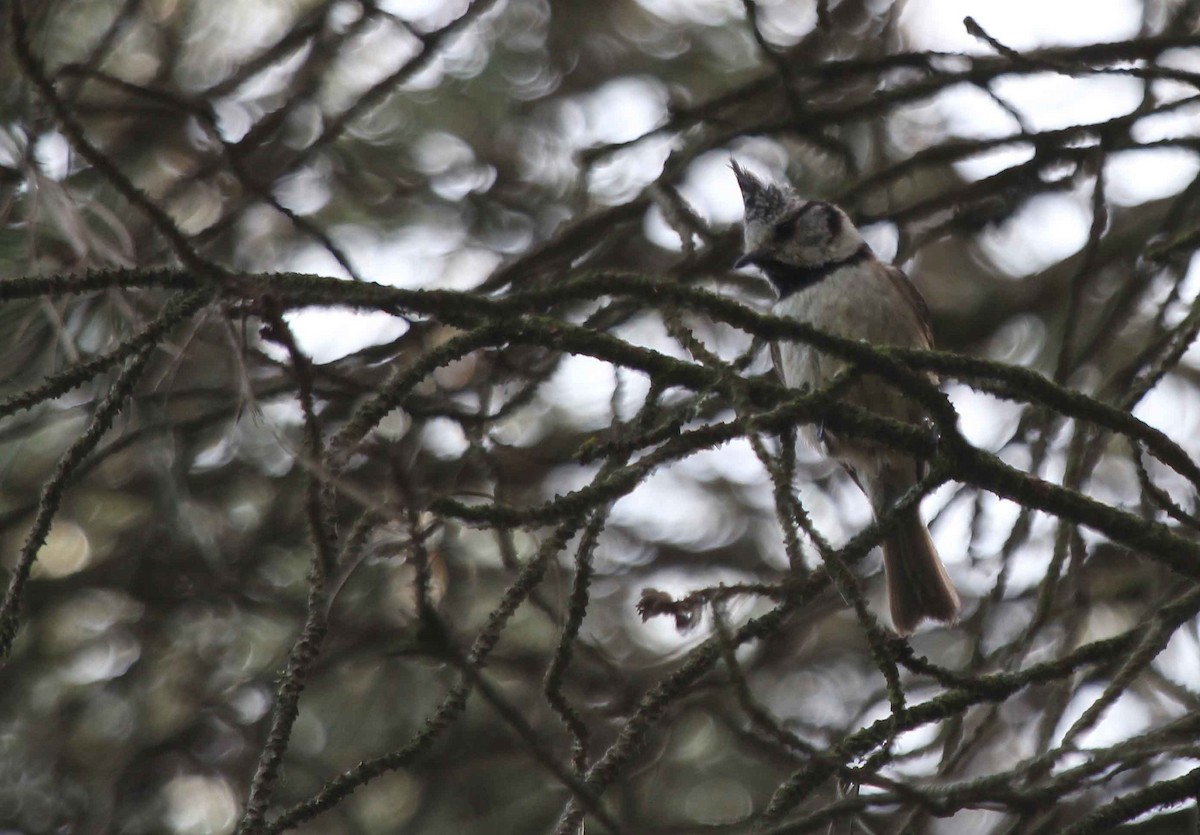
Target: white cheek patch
{"type": "Point", "coordinates": [756, 235]}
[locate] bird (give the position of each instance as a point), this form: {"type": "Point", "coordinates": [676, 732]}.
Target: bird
{"type": "Point", "coordinates": [826, 275]}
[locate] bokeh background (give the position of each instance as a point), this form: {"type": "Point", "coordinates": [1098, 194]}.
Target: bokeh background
{"type": "Point", "coordinates": [1035, 169]}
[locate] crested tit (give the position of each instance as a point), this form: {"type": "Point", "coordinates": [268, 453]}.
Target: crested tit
{"type": "Point", "coordinates": [827, 276]}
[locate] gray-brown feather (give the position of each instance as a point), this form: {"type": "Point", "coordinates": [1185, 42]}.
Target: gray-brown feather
{"type": "Point", "coordinates": [862, 302]}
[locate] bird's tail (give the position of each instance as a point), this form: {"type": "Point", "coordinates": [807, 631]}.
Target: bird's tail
{"type": "Point", "coordinates": [918, 586]}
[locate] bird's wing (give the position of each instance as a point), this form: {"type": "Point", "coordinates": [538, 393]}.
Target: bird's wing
{"type": "Point", "coordinates": [913, 296]}
{"type": "Point", "coordinates": [777, 361]}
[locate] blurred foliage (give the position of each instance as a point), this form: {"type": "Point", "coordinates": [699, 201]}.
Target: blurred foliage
{"type": "Point", "coordinates": [367, 364]}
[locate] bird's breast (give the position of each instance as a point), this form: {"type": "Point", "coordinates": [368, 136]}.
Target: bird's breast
{"type": "Point", "coordinates": [858, 303]}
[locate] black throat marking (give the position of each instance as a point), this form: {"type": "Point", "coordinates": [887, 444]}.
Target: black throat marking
{"type": "Point", "coordinates": [790, 278]}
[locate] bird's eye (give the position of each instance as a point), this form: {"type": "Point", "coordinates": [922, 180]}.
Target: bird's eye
{"type": "Point", "coordinates": [784, 229]}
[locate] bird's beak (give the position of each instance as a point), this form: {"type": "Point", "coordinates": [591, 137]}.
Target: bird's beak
{"type": "Point", "coordinates": [747, 260]}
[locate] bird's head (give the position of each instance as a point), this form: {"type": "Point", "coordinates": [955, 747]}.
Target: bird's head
{"type": "Point", "coordinates": [783, 230]}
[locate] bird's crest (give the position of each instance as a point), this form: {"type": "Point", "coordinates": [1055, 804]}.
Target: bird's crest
{"type": "Point", "coordinates": [762, 200]}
